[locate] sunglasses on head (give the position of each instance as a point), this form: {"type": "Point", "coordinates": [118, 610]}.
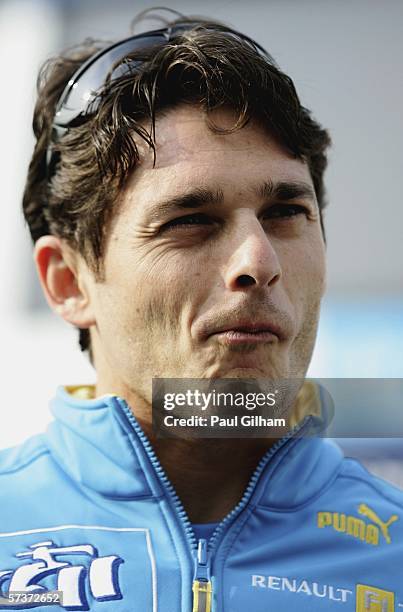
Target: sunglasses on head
{"type": "Point", "coordinates": [80, 98]}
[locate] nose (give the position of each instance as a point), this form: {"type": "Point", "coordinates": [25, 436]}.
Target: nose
{"type": "Point", "coordinates": [253, 261]}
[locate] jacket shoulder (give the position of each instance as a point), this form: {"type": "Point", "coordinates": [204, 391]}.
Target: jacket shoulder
{"type": "Point", "coordinates": [353, 474]}
{"type": "Point", "coordinates": [26, 471]}
{"type": "Point", "coordinates": [23, 457]}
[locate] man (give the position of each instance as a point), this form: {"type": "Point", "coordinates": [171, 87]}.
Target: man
{"type": "Point", "coordinates": [175, 199]}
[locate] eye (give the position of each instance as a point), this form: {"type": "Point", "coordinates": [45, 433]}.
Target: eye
{"type": "Point", "coordinates": [188, 220]}
{"type": "Point", "coordinates": [285, 211]}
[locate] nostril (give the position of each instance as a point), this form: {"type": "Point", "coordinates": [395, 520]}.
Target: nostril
{"type": "Point", "coordinates": [245, 280]}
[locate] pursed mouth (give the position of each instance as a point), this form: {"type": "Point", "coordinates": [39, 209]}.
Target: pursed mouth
{"type": "Point", "coordinates": [250, 330]}
{"type": "Point", "coordinates": [278, 327]}
{"type": "Point", "coordinates": [242, 336]}
{"type": "Point", "coordinates": [247, 330]}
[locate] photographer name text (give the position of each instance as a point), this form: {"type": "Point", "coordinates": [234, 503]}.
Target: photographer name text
{"type": "Point", "coordinates": [246, 420]}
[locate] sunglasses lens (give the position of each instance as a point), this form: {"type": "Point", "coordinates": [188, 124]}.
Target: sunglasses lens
{"type": "Point", "coordinates": [80, 99]}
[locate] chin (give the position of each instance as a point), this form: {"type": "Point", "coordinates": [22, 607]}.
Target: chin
{"type": "Point", "coordinates": [243, 372]}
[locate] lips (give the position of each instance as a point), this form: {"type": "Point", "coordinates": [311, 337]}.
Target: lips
{"type": "Point", "coordinates": [252, 329]}
{"type": "Point", "coordinates": [246, 321]}
{"type": "Point", "coordinates": [249, 328]}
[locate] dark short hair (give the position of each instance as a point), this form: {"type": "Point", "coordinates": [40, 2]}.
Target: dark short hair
{"type": "Point", "coordinates": [206, 65]}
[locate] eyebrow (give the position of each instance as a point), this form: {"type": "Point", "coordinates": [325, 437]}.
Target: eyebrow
{"type": "Point", "coordinates": [197, 198]}
{"type": "Point", "coordinates": [203, 197]}
{"type": "Point", "coordinates": [285, 190]}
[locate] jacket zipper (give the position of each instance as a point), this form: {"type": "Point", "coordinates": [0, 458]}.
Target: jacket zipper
{"type": "Point", "coordinates": [201, 551]}
{"type": "Point", "coordinates": [202, 588]}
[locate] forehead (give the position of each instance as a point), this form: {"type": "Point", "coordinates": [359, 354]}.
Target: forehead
{"type": "Point", "coordinates": [188, 152]}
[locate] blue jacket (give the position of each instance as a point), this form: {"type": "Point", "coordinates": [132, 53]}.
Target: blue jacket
{"type": "Point", "coordinates": [87, 510]}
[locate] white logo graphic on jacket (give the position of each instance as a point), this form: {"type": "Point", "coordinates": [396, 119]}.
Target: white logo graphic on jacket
{"type": "Point", "coordinates": [102, 573]}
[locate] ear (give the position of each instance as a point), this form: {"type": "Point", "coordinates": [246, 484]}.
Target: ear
{"type": "Point", "coordinates": [65, 278]}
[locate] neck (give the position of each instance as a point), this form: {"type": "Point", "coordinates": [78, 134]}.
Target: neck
{"type": "Point", "coordinates": [209, 475]}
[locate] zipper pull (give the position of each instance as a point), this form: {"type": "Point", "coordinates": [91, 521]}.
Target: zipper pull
{"type": "Point", "coordinates": [202, 563]}
{"type": "Point", "coordinates": [202, 590]}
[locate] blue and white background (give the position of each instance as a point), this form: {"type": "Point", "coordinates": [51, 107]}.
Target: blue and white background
{"type": "Point", "coordinates": [346, 61]}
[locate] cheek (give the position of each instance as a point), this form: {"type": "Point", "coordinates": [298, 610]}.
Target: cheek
{"type": "Point", "coordinates": [157, 298]}
{"type": "Point", "coordinates": [304, 274]}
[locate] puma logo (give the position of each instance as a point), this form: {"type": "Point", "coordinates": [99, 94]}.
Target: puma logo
{"type": "Point", "coordinates": [369, 533]}
{"type": "Point", "coordinates": [372, 516]}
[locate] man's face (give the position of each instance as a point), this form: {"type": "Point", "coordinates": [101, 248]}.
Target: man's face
{"type": "Point", "coordinates": [222, 234]}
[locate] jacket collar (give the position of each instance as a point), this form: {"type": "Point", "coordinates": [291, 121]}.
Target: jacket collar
{"type": "Point", "coordinates": [99, 446]}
